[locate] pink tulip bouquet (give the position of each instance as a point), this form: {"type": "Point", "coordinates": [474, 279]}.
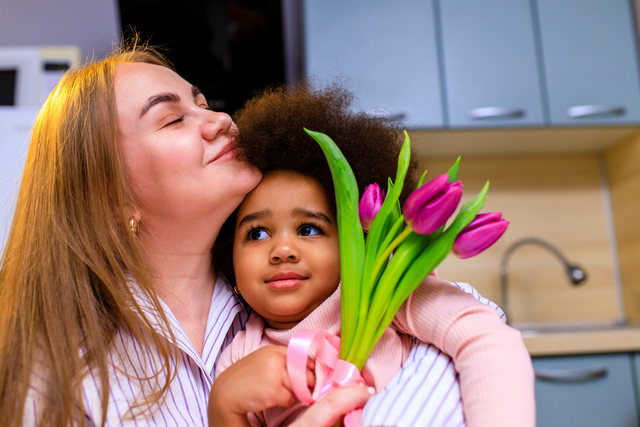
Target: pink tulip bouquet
{"type": "Point", "coordinates": [402, 245]}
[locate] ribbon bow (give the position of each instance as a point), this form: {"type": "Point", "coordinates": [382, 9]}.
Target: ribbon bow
{"type": "Point", "coordinates": [340, 373]}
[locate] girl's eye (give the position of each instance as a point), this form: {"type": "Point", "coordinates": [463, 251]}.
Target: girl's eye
{"type": "Point", "coordinates": [257, 234]}
{"type": "Point", "coordinates": [309, 230]}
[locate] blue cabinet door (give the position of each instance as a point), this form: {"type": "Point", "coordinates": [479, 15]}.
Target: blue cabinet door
{"type": "Point", "coordinates": [636, 369]}
{"type": "Point", "coordinates": [384, 51]}
{"type": "Point", "coordinates": [591, 390]}
{"type": "Point", "coordinates": [490, 63]}
{"type": "Point", "coordinates": [590, 61]}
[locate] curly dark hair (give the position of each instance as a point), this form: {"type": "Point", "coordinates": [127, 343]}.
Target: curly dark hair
{"type": "Point", "coordinates": [272, 138]}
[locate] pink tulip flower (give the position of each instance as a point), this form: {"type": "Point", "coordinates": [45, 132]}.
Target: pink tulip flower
{"type": "Point", "coordinates": [428, 208]}
{"type": "Point", "coordinates": [481, 233]}
{"type": "Point", "coordinates": [370, 204]}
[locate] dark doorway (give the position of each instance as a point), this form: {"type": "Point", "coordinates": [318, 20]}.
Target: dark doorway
{"type": "Point", "coordinates": [229, 49]}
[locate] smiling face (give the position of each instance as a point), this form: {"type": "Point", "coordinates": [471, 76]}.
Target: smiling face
{"type": "Point", "coordinates": [179, 155]}
{"type": "Point", "coordinates": [286, 253]}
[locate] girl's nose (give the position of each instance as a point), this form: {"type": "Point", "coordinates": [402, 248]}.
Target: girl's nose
{"type": "Point", "coordinates": [215, 123]}
{"type": "Point", "coordinates": [284, 250]}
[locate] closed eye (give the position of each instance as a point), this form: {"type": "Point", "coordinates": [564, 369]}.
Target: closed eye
{"type": "Point", "coordinates": [178, 120]}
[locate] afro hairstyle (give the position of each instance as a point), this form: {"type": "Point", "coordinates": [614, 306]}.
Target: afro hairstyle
{"type": "Point", "coordinates": [272, 137]}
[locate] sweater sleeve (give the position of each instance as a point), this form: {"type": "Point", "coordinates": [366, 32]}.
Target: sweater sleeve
{"type": "Point", "coordinates": [226, 356]}
{"type": "Point", "coordinates": [496, 375]}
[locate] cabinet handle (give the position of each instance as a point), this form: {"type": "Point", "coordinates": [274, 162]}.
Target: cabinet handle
{"type": "Point", "coordinates": [496, 113]}
{"type": "Point", "coordinates": [387, 114]}
{"type": "Point", "coordinates": [570, 375]}
{"type": "Point", "coordinates": [580, 111]}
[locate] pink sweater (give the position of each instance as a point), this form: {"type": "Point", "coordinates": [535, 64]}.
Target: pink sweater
{"type": "Point", "coordinates": [496, 376]}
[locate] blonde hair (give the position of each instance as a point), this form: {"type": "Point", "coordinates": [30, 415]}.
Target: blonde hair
{"type": "Point", "coordinates": [70, 255]}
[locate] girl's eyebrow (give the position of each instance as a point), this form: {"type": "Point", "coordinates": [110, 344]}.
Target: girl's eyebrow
{"type": "Point", "coordinates": [264, 213]}
{"type": "Point", "coordinates": [313, 214]}
{"type": "Point", "coordinates": [166, 97]}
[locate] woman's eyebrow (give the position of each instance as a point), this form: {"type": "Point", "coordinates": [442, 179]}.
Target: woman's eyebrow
{"type": "Point", "coordinates": [157, 99]}
{"type": "Point", "coordinates": [313, 214]}
{"type": "Point", "coordinates": [255, 215]}
{"type": "Point", "coordinates": [166, 97]}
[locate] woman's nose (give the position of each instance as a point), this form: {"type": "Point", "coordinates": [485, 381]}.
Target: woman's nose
{"type": "Point", "coordinates": [215, 123]}
{"type": "Point", "coordinates": [284, 250]}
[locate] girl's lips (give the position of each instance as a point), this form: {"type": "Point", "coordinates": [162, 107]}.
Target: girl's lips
{"type": "Point", "coordinates": [285, 281]}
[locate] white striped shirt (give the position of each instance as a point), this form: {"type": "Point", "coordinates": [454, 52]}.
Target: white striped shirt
{"type": "Point", "coordinates": [424, 392]}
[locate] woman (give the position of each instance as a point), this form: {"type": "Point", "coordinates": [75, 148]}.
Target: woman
{"type": "Point", "coordinates": [110, 310]}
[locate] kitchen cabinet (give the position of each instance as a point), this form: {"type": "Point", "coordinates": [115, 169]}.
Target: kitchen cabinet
{"type": "Point", "coordinates": [590, 61]}
{"type": "Point", "coordinates": [466, 64]}
{"type": "Point", "coordinates": [587, 390]}
{"type": "Point", "coordinates": [490, 63]}
{"type": "Point", "coordinates": [386, 51]}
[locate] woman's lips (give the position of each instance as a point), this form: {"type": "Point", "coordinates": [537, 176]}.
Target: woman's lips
{"type": "Point", "coordinates": [228, 151]}
{"type": "Point", "coordinates": [285, 281]}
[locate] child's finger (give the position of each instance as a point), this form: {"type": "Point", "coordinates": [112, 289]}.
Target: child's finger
{"type": "Point", "coordinates": [311, 378]}
{"type": "Point", "coordinates": [328, 410]}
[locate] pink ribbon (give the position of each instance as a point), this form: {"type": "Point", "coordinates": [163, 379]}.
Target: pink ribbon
{"type": "Point", "coordinates": [340, 373]}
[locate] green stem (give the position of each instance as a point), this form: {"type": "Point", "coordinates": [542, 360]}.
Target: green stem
{"type": "Point", "coordinates": [404, 256]}
{"type": "Point", "coordinates": [369, 279]}
{"type": "Point", "coordinates": [384, 257]}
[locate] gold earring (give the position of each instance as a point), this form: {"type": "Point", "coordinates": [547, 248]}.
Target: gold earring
{"type": "Point", "coordinates": [235, 289]}
{"type": "Point", "coordinates": [134, 226]}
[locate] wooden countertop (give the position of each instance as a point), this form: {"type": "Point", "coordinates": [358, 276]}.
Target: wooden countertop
{"type": "Point", "coordinates": [563, 342]}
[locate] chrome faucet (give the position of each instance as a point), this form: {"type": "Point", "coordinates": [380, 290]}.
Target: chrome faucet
{"type": "Point", "coordinates": [576, 274]}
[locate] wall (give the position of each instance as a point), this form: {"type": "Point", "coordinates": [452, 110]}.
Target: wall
{"type": "Point", "coordinates": [558, 198]}
{"type": "Point", "coordinates": [94, 25]}
{"type": "Point", "coordinates": [623, 166]}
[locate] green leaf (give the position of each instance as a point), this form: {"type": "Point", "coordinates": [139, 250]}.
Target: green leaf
{"type": "Point", "coordinates": [350, 234]}
{"type": "Point", "coordinates": [394, 214]}
{"type": "Point", "coordinates": [421, 182]}
{"type": "Point", "coordinates": [390, 201]}
{"type": "Point", "coordinates": [389, 185]}
{"type": "Point", "coordinates": [453, 172]}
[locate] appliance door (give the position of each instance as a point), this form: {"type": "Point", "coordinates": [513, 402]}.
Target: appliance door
{"type": "Point", "coordinates": [15, 131]}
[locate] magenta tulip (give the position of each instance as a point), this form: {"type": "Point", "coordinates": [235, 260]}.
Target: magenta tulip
{"type": "Point", "coordinates": [481, 233]}
{"type": "Point", "coordinates": [428, 208]}
{"type": "Point", "coordinates": [370, 204]}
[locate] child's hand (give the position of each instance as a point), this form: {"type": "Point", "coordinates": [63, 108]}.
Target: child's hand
{"type": "Point", "coordinates": [327, 411]}
{"type": "Point", "coordinates": [252, 384]}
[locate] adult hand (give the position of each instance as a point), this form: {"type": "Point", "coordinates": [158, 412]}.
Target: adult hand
{"type": "Point", "coordinates": [327, 411]}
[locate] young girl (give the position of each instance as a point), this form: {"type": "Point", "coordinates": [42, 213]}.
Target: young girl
{"type": "Point", "coordinates": [284, 242]}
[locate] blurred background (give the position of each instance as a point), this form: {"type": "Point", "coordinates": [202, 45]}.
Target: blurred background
{"type": "Point", "coordinates": [540, 97]}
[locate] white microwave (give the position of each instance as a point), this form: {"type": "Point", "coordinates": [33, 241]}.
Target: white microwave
{"type": "Point", "coordinates": [15, 129]}
{"type": "Point", "coordinates": [29, 73]}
